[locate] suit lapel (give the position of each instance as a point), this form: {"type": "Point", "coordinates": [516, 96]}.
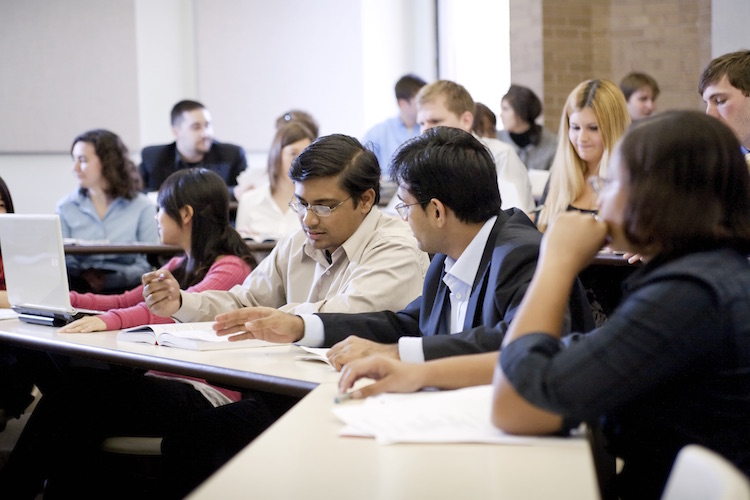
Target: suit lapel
{"type": "Point", "coordinates": [437, 322]}
{"type": "Point", "coordinates": [479, 288]}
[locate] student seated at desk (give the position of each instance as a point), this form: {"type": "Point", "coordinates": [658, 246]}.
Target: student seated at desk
{"type": "Point", "coordinates": [194, 146]}
{"type": "Point", "coordinates": [594, 118]}
{"type": "Point", "coordinates": [193, 214]}
{"type": "Point", "coordinates": [263, 213]}
{"type": "Point", "coordinates": [347, 255]}
{"type": "Point", "coordinates": [672, 364]}
{"type": "Point", "coordinates": [15, 389]}
{"type": "Point", "coordinates": [107, 207]}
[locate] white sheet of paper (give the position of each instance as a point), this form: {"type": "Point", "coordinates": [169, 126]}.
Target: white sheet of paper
{"type": "Point", "coordinates": [460, 416]}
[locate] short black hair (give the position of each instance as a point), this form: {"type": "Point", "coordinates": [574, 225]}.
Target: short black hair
{"type": "Point", "coordinates": [452, 166]}
{"type": "Point", "coordinates": [341, 156]}
{"type": "Point", "coordinates": [181, 107]}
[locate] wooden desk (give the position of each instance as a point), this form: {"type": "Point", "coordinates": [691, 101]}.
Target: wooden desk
{"type": "Point", "coordinates": [271, 369]}
{"type": "Point", "coordinates": [302, 456]}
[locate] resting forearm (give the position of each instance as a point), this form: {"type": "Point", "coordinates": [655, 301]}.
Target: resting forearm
{"type": "Point", "coordinates": [544, 305]}
{"type": "Point", "coordinates": [459, 371]}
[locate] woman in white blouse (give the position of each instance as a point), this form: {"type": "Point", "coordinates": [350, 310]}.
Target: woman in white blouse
{"type": "Point", "coordinates": [263, 212]}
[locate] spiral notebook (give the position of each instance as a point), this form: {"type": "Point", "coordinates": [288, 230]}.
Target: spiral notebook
{"type": "Point", "coordinates": [35, 272]}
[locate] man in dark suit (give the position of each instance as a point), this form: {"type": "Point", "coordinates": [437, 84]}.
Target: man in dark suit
{"type": "Point", "coordinates": [484, 260]}
{"type": "Point", "coordinates": [194, 146]}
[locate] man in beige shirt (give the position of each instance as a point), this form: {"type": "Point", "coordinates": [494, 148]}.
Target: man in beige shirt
{"type": "Point", "coordinates": [347, 256]}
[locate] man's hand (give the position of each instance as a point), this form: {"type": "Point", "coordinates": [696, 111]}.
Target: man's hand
{"type": "Point", "coordinates": [353, 348]}
{"type": "Point", "coordinates": [87, 324]}
{"type": "Point", "coordinates": [264, 323]}
{"type": "Point", "coordinates": [391, 375]}
{"type": "Point", "coordinates": [161, 292]}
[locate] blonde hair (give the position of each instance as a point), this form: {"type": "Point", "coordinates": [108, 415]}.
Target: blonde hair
{"type": "Point", "coordinates": [568, 170]}
{"type": "Point", "coordinates": [457, 98]}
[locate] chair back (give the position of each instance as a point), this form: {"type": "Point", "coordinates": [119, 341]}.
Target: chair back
{"type": "Point", "coordinates": [701, 474]}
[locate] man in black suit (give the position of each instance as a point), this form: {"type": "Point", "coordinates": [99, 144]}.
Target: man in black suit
{"type": "Point", "coordinates": [484, 260]}
{"type": "Point", "coordinates": [194, 146]}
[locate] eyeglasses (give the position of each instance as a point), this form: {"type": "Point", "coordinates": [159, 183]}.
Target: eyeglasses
{"type": "Point", "coordinates": [319, 210]}
{"type": "Point", "coordinates": [599, 183]}
{"type": "Point", "coordinates": [401, 208]}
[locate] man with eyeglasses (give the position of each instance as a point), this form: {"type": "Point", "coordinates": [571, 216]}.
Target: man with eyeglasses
{"type": "Point", "coordinates": [346, 257]}
{"type": "Point", "coordinates": [484, 260]}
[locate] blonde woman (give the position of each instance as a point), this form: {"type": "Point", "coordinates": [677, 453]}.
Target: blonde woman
{"type": "Point", "coordinates": [594, 118]}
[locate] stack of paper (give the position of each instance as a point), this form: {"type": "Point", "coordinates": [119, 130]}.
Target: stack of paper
{"type": "Point", "coordinates": [460, 416]}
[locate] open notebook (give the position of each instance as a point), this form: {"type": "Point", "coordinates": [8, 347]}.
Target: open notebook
{"type": "Point", "coordinates": [35, 272]}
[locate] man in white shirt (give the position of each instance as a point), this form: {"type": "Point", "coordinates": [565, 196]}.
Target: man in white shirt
{"type": "Point", "coordinates": [346, 257]}
{"type": "Point", "coordinates": [725, 88]}
{"type": "Point", "coordinates": [449, 104]}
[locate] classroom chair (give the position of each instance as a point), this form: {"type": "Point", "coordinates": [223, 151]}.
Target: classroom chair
{"type": "Point", "coordinates": [701, 474]}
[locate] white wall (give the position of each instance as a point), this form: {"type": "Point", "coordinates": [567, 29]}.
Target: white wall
{"type": "Point", "coordinates": [247, 60]}
{"type": "Point", "coordinates": [729, 26]}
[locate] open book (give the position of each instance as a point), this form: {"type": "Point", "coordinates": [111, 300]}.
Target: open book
{"type": "Point", "coordinates": [193, 336]}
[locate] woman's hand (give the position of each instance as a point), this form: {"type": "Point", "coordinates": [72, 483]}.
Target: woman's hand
{"type": "Point", "coordinates": [86, 324]}
{"type": "Point", "coordinates": [572, 241]}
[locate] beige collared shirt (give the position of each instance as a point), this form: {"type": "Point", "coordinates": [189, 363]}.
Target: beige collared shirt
{"type": "Point", "coordinates": [378, 268]}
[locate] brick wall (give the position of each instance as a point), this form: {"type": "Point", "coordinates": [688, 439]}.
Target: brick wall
{"type": "Point", "coordinates": [581, 39]}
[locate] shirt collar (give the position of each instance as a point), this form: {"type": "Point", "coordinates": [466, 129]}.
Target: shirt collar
{"type": "Point", "coordinates": [465, 267]}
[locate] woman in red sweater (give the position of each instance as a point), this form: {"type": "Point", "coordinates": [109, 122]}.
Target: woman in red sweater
{"type": "Point", "coordinates": [83, 405]}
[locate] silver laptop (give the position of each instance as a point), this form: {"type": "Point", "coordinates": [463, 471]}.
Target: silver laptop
{"type": "Point", "coordinates": [35, 272]}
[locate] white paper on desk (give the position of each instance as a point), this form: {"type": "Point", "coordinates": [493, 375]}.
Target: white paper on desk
{"type": "Point", "coordinates": [460, 416]}
{"type": "Point", "coordinates": [317, 354]}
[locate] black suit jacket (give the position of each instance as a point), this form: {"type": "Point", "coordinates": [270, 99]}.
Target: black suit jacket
{"type": "Point", "coordinates": [158, 162]}
{"type": "Point", "coordinates": [504, 273]}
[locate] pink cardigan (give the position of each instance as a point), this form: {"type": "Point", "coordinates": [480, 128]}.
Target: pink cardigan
{"type": "Point", "coordinates": [129, 309]}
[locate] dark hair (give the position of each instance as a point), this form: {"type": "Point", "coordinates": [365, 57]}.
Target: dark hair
{"type": "Point", "coordinates": [735, 65]}
{"type": "Point", "coordinates": [688, 184]}
{"type": "Point", "coordinates": [339, 156]}
{"type": "Point", "coordinates": [288, 133]}
{"type": "Point", "coordinates": [183, 106]}
{"type": "Point", "coordinates": [527, 106]}
{"type": "Point", "coordinates": [121, 174]}
{"type": "Point", "coordinates": [5, 195]}
{"type": "Point", "coordinates": [212, 234]}
{"type": "Point", "coordinates": [408, 86]}
{"type": "Point", "coordinates": [484, 121]}
{"type": "Point", "coordinates": [453, 166]}
{"type": "Point", "coordinates": [632, 82]}
{"type": "Point", "coordinates": [297, 115]}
